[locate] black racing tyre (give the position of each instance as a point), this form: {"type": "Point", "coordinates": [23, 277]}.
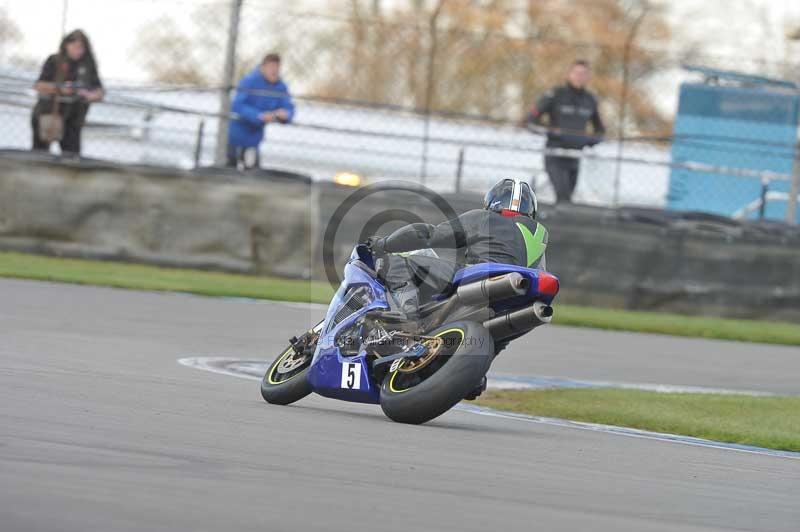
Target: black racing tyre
{"type": "Point", "coordinates": [415, 396]}
{"type": "Point", "coordinates": [284, 388]}
{"type": "Point", "coordinates": [286, 379]}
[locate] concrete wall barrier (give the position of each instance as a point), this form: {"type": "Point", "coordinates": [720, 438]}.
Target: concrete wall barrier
{"type": "Point", "coordinates": [624, 258]}
{"type": "Point", "coordinates": [157, 216]}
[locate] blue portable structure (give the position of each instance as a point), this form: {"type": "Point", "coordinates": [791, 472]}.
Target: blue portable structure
{"type": "Point", "coordinates": [733, 121]}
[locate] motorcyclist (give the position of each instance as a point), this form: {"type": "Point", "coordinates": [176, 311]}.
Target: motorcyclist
{"type": "Point", "coordinates": [504, 231]}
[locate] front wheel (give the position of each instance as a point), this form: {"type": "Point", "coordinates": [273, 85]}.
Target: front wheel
{"type": "Point", "coordinates": [418, 390]}
{"type": "Point", "coordinates": [286, 379]}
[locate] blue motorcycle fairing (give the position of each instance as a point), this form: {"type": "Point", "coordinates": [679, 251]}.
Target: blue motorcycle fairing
{"type": "Point", "coordinates": [362, 252]}
{"type": "Point", "coordinates": [348, 377]}
{"type": "Point", "coordinates": [331, 374]}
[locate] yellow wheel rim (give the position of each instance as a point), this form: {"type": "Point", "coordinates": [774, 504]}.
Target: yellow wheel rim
{"type": "Point", "coordinates": [438, 335]}
{"type": "Point", "coordinates": [274, 368]}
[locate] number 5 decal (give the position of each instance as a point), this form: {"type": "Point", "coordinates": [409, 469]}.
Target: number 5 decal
{"type": "Point", "coordinates": [351, 375]}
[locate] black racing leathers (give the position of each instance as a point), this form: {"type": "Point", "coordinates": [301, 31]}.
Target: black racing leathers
{"type": "Point", "coordinates": [479, 236]}
{"type": "Point", "coordinates": [484, 236]}
{"type": "Point", "coordinates": [569, 111]}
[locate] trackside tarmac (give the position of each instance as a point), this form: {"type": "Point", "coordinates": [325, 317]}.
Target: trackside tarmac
{"type": "Point", "coordinates": [254, 370]}
{"type": "Point", "coordinates": [100, 429]}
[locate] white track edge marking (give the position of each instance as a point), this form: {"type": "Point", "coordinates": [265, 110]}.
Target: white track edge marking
{"type": "Point", "coordinates": [207, 364]}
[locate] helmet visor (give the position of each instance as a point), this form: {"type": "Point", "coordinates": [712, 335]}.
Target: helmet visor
{"type": "Point", "coordinates": [526, 199]}
{"type": "Point", "coordinates": [500, 196]}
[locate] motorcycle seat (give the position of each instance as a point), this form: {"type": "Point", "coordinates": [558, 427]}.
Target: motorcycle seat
{"type": "Point", "coordinates": [484, 270]}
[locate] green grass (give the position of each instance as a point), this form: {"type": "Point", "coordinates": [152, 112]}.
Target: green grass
{"type": "Point", "coordinates": [762, 331]}
{"type": "Point", "coordinates": [771, 422]}
{"type": "Point", "coordinates": [141, 277]}
{"type": "Point", "coordinates": [135, 276]}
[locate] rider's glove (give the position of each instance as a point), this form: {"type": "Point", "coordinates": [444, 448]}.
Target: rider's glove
{"type": "Point", "coordinates": [376, 244]}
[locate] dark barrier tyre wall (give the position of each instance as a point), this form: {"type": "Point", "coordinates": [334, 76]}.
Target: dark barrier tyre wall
{"type": "Point", "coordinates": [631, 258]}
{"type": "Point", "coordinates": [688, 263]}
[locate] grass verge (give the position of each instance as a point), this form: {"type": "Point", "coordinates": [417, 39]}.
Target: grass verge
{"type": "Point", "coordinates": [142, 277]}
{"type": "Point", "coordinates": [762, 331]}
{"type": "Point", "coordinates": [771, 422]}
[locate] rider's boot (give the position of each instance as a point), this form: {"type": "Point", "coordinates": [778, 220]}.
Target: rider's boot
{"type": "Point", "coordinates": [477, 391]}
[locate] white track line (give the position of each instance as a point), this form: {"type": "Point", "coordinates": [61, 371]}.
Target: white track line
{"type": "Point", "coordinates": [513, 382]}
{"type": "Point", "coordinates": [254, 370]}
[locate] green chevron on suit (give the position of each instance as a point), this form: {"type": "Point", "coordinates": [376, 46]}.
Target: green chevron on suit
{"type": "Point", "coordinates": [535, 243]}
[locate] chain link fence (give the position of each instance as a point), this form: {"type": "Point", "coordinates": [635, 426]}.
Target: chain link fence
{"type": "Point", "coordinates": [433, 92]}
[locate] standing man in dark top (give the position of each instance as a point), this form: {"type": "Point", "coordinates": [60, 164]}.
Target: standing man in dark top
{"type": "Point", "coordinates": [569, 108]}
{"type": "Point", "coordinates": [71, 76]}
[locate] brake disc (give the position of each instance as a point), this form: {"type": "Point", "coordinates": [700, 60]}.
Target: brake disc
{"type": "Point", "coordinates": [291, 363]}
{"type": "Point", "coordinates": [413, 365]}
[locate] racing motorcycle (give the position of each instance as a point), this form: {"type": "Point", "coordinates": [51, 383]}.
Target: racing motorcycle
{"type": "Point", "coordinates": [416, 366]}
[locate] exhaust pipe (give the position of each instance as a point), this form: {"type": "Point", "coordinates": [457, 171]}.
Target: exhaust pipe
{"type": "Point", "coordinates": [493, 289]}
{"type": "Point", "coordinates": [519, 321]}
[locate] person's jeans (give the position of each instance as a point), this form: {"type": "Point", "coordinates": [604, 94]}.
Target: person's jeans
{"type": "Point", "coordinates": [563, 174]}
{"type": "Point", "coordinates": [242, 157]}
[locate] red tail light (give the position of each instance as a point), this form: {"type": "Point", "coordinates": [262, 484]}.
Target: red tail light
{"type": "Point", "coordinates": [548, 284]}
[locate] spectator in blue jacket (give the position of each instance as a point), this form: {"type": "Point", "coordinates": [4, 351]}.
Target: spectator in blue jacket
{"type": "Point", "coordinates": [261, 98]}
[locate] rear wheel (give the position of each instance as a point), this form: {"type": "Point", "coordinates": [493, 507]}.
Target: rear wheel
{"type": "Point", "coordinates": [286, 379]}
{"type": "Point", "coordinates": [416, 391]}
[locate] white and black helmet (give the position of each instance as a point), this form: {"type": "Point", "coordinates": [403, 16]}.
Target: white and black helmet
{"type": "Point", "coordinates": [512, 195]}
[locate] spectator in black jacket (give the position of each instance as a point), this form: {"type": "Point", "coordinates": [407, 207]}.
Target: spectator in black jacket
{"type": "Point", "coordinates": [569, 108]}
{"type": "Point", "coordinates": [71, 77]}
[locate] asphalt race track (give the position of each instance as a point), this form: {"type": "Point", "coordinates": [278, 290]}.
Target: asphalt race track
{"type": "Point", "coordinates": [102, 430]}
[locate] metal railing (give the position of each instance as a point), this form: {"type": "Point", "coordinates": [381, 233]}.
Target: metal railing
{"type": "Point", "coordinates": [175, 126]}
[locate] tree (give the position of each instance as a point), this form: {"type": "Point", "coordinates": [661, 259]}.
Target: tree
{"type": "Point", "coordinates": [492, 58]}
{"type": "Point", "coordinates": [168, 55]}
{"type": "Point", "coordinates": [10, 35]}
{"type": "Point", "coordinates": [194, 55]}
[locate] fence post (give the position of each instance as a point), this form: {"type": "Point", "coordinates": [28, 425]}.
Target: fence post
{"type": "Point", "coordinates": [148, 124]}
{"type": "Point", "coordinates": [459, 168]}
{"type": "Point", "coordinates": [198, 148]}
{"type": "Point", "coordinates": [794, 189]}
{"type": "Point", "coordinates": [64, 11]}
{"type": "Point", "coordinates": [764, 191]}
{"type": "Point", "coordinates": [227, 82]}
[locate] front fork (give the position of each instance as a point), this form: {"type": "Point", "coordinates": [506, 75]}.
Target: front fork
{"type": "Point", "coordinates": [307, 341]}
